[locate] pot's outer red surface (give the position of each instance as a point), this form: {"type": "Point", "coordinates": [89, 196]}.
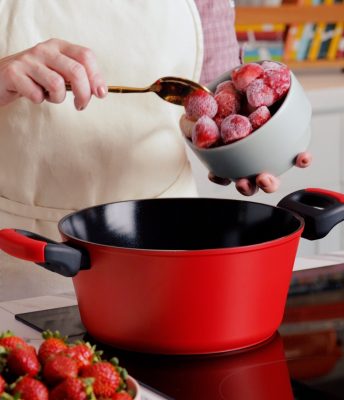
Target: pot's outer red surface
{"type": "Point", "coordinates": [177, 302]}
{"type": "Point", "coordinates": [182, 275]}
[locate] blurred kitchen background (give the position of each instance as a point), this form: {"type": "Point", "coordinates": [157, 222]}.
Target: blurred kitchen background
{"type": "Point", "coordinates": [307, 35]}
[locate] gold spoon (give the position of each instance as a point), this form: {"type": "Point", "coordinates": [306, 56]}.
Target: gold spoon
{"type": "Point", "coordinates": [170, 88]}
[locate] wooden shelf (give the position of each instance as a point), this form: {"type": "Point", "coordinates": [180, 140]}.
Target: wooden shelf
{"type": "Point", "coordinates": [289, 14]}
{"type": "Point", "coordinates": [317, 64]}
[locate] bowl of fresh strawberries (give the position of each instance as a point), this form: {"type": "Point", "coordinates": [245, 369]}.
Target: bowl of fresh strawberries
{"type": "Point", "coordinates": [257, 120]}
{"type": "Point", "coordinates": [60, 370]}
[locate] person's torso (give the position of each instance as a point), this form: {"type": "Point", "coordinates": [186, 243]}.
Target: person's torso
{"type": "Point", "coordinates": [123, 147]}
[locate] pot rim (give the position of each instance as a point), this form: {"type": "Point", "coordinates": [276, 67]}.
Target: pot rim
{"type": "Point", "coordinates": [184, 252]}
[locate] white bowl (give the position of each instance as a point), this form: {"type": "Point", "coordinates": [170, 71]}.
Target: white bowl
{"type": "Point", "coordinates": [271, 148]}
{"type": "Point", "coordinates": [135, 387]}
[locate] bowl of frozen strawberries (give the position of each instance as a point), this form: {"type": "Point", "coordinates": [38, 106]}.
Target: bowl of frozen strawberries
{"type": "Point", "coordinates": [60, 370]}
{"type": "Point", "coordinates": [256, 120]}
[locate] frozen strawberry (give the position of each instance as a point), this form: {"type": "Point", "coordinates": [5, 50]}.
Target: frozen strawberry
{"type": "Point", "coordinates": [235, 127]}
{"type": "Point", "coordinates": [245, 74]}
{"type": "Point", "coordinates": [226, 85]}
{"type": "Point", "coordinates": [31, 389]}
{"type": "Point", "coordinates": [10, 341]}
{"type": "Point", "coordinates": [278, 80]}
{"type": "Point", "coordinates": [246, 108]}
{"type": "Point", "coordinates": [58, 368]}
{"type": "Point", "coordinates": [259, 117]}
{"type": "Point", "coordinates": [53, 344]}
{"type": "Point", "coordinates": [227, 103]}
{"type": "Point", "coordinates": [218, 120]}
{"type": "Point", "coordinates": [199, 103]}
{"type": "Point", "coordinates": [205, 133]}
{"type": "Point", "coordinates": [72, 389]}
{"type": "Point", "coordinates": [107, 378]}
{"type": "Point", "coordinates": [23, 361]}
{"type": "Point", "coordinates": [2, 384]}
{"type": "Point", "coordinates": [186, 126]}
{"type": "Point", "coordinates": [258, 94]}
{"type": "Point", "coordinates": [271, 65]}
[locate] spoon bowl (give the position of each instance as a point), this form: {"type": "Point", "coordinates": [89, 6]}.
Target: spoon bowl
{"type": "Point", "coordinates": [170, 88]}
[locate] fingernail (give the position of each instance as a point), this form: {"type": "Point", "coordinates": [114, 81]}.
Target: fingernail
{"type": "Point", "coordinates": [101, 91]}
{"type": "Point", "coordinates": [78, 106]}
{"type": "Point", "coordinates": [265, 182]}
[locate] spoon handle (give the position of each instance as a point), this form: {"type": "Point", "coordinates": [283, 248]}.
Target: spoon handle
{"type": "Point", "coordinates": [120, 89]}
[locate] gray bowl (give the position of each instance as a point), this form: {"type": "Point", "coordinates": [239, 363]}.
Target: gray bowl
{"type": "Point", "coordinates": [271, 148]}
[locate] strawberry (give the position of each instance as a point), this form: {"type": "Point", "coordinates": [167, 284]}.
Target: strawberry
{"type": "Point", "coordinates": [31, 389]}
{"type": "Point", "coordinates": [10, 341]}
{"type": "Point", "coordinates": [23, 361]}
{"type": "Point", "coordinates": [2, 384]}
{"type": "Point", "coordinates": [199, 103]}
{"type": "Point", "coordinates": [53, 344]}
{"type": "Point", "coordinates": [72, 389]}
{"type": "Point", "coordinates": [58, 368]}
{"type": "Point", "coordinates": [83, 353]}
{"type": "Point", "coordinates": [121, 396]}
{"type": "Point", "coordinates": [107, 378]}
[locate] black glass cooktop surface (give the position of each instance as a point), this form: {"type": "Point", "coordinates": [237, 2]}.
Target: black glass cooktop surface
{"type": "Point", "coordinates": [304, 360]}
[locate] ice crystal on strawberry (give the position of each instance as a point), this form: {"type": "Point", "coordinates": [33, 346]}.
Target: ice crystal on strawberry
{"type": "Point", "coordinates": [259, 117]}
{"type": "Point", "coordinates": [205, 132]}
{"type": "Point", "coordinates": [245, 74]}
{"type": "Point", "coordinates": [228, 102]}
{"type": "Point", "coordinates": [199, 103]}
{"type": "Point", "coordinates": [235, 127]}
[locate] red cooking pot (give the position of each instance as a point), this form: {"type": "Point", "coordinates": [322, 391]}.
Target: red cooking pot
{"type": "Point", "coordinates": [182, 275]}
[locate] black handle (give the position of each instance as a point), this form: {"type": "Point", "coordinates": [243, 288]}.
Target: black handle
{"type": "Point", "coordinates": [57, 257]}
{"type": "Point", "coordinates": [321, 209]}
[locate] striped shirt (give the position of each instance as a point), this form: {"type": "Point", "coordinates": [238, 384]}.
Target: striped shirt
{"type": "Point", "coordinates": [221, 49]}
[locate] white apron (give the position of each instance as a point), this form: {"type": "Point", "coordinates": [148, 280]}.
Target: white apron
{"type": "Point", "coordinates": [54, 159]}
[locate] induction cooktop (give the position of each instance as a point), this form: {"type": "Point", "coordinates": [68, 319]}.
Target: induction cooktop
{"type": "Point", "coordinates": [304, 359]}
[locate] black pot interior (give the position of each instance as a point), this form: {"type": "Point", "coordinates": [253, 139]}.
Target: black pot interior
{"type": "Point", "coordinates": [180, 224]}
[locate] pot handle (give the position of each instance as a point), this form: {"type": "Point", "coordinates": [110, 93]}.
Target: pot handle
{"type": "Point", "coordinates": [54, 256]}
{"type": "Point", "coordinates": [321, 209]}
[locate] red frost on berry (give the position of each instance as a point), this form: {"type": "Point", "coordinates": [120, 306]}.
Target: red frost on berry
{"type": "Point", "coordinates": [227, 103]}
{"type": "Point", "coordinates": [235, 127]}
{"type": "Point", "coordinates": [278, 80]}
{"type": "Point", "coordinates": [259, 94]}
{"type": "Point", "coordinates": [218, 120]}
{"type": "Point", "coordinates": [245, 74]}
{"type": "Point", "coordinates": [226, 85]}
{"type": "Point", "coordinates": [205, 133]}
{"type": "Point", "coordinates": [271, 65]}
{"type": "Point", "coordinates": [199, 103]}
{"type": "Point", "coordinates": [259, 117]}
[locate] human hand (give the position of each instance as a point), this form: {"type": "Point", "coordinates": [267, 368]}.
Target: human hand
{"type": "Point", "coordinates": [40, 73]}
{"type": "Point", "coordinates": [265, 181]}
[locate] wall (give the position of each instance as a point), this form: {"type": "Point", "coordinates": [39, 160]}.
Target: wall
{"type": "Point", "coordinates": [326, 93]}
